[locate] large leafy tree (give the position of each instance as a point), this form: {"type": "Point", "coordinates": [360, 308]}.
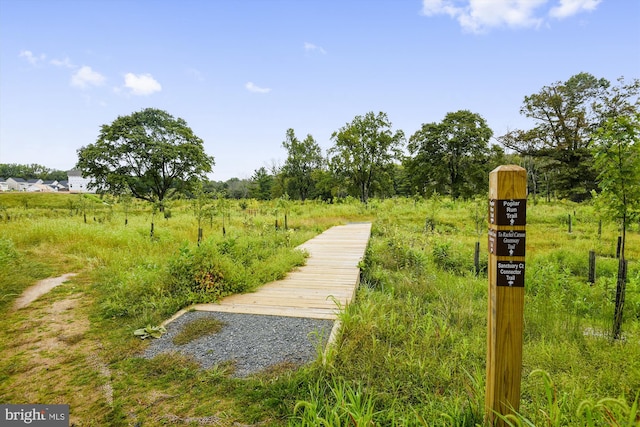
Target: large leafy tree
{"type": "Point", "coordinates": [147, 153]}
{"type": "Point", "coordinates": [364, 152]}
{"type": "Point", "coordinates": [566, 115]}
{"type": "Point", "coordinates": [303, 158]}
{"type": "Point", "coordinates": [451, 156]}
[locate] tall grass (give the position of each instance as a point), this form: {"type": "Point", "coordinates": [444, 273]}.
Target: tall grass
{"type": "Point", "coordinates": [412, 346]}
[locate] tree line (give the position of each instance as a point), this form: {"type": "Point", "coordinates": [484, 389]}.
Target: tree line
{"type": "Point", "coordinates": [32, 171]}
{"type": "Point", "coordinates": [151, 155]}
{"type": "Point", "coordinates": [454, 156]}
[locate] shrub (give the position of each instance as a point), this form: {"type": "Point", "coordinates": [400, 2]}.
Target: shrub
{"type": "Point", "coordinates": [203, 270]}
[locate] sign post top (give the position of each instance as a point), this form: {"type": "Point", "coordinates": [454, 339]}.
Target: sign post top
{"type": "Point", "coordinates": [509, 168]}
{"type": "Point", "coordinates": [508, 182]}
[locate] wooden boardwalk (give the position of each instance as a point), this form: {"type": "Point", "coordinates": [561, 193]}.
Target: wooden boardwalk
{"type": "Point", "coordinates": [317, 290]}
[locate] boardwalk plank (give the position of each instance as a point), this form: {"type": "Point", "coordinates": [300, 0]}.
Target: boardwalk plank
{"type": "Point", "coordinates": [317, 290]}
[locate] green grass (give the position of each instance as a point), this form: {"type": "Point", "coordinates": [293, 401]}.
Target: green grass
{"type": "Point", "coordinates": [196, 329]}
{"type": "Point", "coordinates": [412, 347]}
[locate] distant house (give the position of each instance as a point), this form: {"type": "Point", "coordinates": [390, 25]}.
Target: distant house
{"type": "Point", "coordinates": [54, 185]}
{"type": "Point", "coordinates": [17, 184]}
{"type": "Point", "coordinates": [41, 188]}
{"type": "Point", "coordinates": [79, 183]}
{"type": "Point", "coordinates": [36, 186]}
{"type": "Point", "coordinates": [63, 186]}
{"type": "Point", "coordinates": [4, 186]}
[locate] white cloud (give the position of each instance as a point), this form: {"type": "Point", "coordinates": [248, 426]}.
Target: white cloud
{"type": "Point", "coordinates": [141, 84]}
{"type": "Point", "coordinates": [86, 77]}
{"type": "Point", "coordinates": [256, 89]}
{"type": "Point", "coordinates": [479, 16]}
{"type": "Point", "coordinates": [66, 63]}
{"type": "Point", "coordinates": [310, 47]}
{"type": "Point", "coordinates": [31, 58]}
{"type": "Point", "coordinates": [572, 7]}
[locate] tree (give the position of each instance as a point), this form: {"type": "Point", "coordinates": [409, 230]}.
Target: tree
{"type": "Point", "coordinates": [364, 151]}
{"type": "Point", "coordinates": [617, 160]}
{"type": "Point", "coordinates": [32, 171]}
{"type": "Point", "coordinates": [451, 156]}
{"type": "Point", "coordinates": [567, 114]}
{"type": "Point", "coordinates": [303, 158]}
{"type": "Point", "coordinates": [147, 153]}
{"type": "Point", "coordinates": [261, 183]}
{"type": "Point", "coordinates": [238, 188]}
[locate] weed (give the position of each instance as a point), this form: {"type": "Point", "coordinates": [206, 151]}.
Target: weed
{"type": "Point", "coordinates": [150, 331]}
{"type": "Point", "coordinates": [197, 328]}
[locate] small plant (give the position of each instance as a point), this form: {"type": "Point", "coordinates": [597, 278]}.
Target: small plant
{"type": "Point", "coordinates": [198, 328]}
{"type": "Point", "coordinates": [150, 331]}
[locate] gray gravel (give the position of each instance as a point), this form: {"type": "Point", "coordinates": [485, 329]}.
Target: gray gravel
{"type": "Point", "coordinates": [253, 342]}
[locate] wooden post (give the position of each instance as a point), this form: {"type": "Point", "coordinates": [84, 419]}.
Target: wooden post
{"type": "Point", "coordinates": [618, 247]}
{"type": "Point", "coordinates": [507, 233]}
{"type": "Point", "coordinates": [592, 267]}
{"type": "Point", "coordinates": [569, 223]}
{"type": "Point", "coordinates": [620, 293]}
{"type": "Point", "coordinates": [476, 259]}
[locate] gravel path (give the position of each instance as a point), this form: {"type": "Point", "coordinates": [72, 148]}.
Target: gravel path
{"type": "Point", "coordinates": [253, 342]}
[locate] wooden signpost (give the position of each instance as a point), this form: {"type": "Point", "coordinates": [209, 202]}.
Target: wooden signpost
{"type": "Point", "coordinates": [507, 236]}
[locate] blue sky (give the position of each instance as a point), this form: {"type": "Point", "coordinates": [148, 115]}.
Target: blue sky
{"type": "Point", "coordinates": [241, 72]}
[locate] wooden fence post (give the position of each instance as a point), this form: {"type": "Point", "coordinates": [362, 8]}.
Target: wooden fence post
{"type": "Point", "coordinates": [476, 259]}
{"type": "Point", "coordinates": [592, 267]}
{"type": "Point", "coordinates": [507, 233]}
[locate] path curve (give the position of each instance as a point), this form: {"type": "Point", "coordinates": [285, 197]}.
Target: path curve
{"type": "Point", "coordinates": [42, 287]}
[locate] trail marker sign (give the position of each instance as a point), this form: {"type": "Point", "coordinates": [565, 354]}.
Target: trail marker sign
{"type": "Point", "coordinates": [508, 212]}
{"type": "Point", "coordinates": [506, 243]}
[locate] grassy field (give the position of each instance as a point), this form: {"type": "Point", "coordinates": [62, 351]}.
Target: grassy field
{"type": "Point", "coordinates": [412, 347]}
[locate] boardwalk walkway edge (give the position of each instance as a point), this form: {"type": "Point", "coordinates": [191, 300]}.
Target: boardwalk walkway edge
{"type": "Point", "coordinates": [319, 290]}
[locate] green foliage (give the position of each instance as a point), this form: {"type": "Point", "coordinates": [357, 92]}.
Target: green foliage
{"type": "Point", "coordinates": [17, 272]}
{"type": "Point", "coordinates": [150, 331]}
{"type": "Point", "coordinates": [218, 268]}
{"type": "Point", "coordinates": [451, 157]}
{"type": "Point", "coordinates": [8, 252]}
{"type": "Point", "coordinates": [147, 153]}
{"type": "Point", "coordinates": [261, 184]}
{"type": "Point", "coordinates": [303, 159]}
{"type": "Point", "coordinates": [567, 114]}
{"type": "Point", "coordinates": [347, 406]}
{"type": "Point", "coordinates": [363, 152]}
{"type": "Point", "coordinates": [198, 328]}
{"type": "Point", "coordinates": [32, 171]}
{"type": "Point", "coordinates": [617, 159]}
{"type": "Point", "coordinates": [590, 413]}
{"type": "Point", "coordinates": [411, 349]}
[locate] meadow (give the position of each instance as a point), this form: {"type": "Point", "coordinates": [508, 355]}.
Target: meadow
{"type": "Point", "coordinates": [412, 346]}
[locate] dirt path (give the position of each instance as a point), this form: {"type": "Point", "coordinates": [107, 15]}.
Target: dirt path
{"type": "Point", "coordinates": [51, 357]}
{"type": "Point", "coordinates": [39, 289]}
